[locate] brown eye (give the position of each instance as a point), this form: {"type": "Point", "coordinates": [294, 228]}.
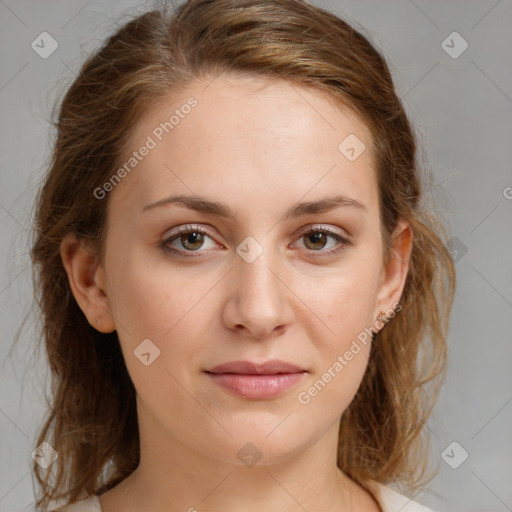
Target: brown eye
{"type": "Point", "coordinates": [317, 238]}
{"type": "Point", "coordinates": [190, 238]}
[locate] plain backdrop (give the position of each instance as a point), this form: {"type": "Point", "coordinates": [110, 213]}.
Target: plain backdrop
{"type": "Point", "coordinates": [451, 61]}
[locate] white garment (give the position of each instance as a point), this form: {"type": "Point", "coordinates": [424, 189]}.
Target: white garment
{"type": "Point", "coordinates": [388, 499]}
{"type": "Point", "coordinates": [392, 501]}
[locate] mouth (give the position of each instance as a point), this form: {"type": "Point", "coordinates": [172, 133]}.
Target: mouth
{"type": "Point", "coordinates": [255, 381]}
{"type": "Point", "coordinates": [272, 367]}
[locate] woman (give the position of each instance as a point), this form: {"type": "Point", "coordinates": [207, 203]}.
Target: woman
{"type": "Point", "coordinates": [243, 299]}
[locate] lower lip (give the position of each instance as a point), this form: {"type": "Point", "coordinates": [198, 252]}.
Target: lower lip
{"type": "Point", "coordinates": [256, 387]}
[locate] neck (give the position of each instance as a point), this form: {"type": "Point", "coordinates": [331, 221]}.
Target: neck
{"type": "Point", "coordinates": [172, 476]}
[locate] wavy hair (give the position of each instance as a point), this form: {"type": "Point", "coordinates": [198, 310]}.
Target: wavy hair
{"type": "Point", "coordinates": [92, 418]}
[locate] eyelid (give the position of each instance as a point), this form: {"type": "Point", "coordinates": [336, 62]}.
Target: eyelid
{"type": "Point", "coordinates": [327, 229]}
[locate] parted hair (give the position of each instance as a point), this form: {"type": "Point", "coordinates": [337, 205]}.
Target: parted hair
{"type": "Point", "coordinates": [92, 419]}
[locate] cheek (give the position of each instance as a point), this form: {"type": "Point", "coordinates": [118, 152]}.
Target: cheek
{"type": "Point", "coordinates": [151, 296]}
{"type": "Point", "coordinates": [341, 303]}
{"type": "Point", "coordinates": [153, 299]}
{"type": "Point", "coordinates": [339, 318]}
{"type": "Point", "coordinates": [169, 304]}
{"type": "Point", "coordinates": [342, 343]}
{"type": "Point", "coordinates": [329, 393]}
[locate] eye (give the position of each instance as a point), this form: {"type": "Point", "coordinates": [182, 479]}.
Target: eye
{"type": "Point", "coordinates": [191, 238]}
{"type": "Point", "coordinates": [316, 238]}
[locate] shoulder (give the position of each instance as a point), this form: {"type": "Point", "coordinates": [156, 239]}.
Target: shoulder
{"type": "Point", "coordinates": [90, 504]}
{"type": "Point", "coordinates": [392, 501]}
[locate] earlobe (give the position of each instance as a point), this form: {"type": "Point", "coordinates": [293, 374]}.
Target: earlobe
{"type": "Point", "coordinates": [86, 282]}
{"type": "Point", "coordinates": [394, 274]}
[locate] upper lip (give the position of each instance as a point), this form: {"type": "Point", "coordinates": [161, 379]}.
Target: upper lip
{"type": "Point", "coordinates": [271, 367]}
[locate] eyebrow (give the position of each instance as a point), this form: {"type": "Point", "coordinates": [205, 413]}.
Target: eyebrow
{"type": "Point", "coordinates": [204, 205]}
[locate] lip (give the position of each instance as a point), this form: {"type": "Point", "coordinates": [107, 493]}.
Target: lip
{"type": "Point", "coordinates": [256, 381]}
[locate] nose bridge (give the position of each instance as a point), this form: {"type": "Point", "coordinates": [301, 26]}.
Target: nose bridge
{"type": "Point", "coordinates": [259, 289]}
{"type": "Point", "coordinates": [256, 270]}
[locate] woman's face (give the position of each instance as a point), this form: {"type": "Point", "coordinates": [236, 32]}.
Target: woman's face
{"type": "Point", "coordinates": [253, 286]}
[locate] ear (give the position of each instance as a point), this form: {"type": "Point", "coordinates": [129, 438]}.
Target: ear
{"type": "Point", "coordinates": [87, 282]}
{"type": "Point", "coordinates": [394, 273]}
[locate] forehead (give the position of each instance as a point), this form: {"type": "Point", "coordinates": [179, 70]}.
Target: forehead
{"type": "Point", "coordinates": [246, 136]}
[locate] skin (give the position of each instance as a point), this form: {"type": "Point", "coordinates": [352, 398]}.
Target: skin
{"type": "Point", "coordinates": [259, 147]}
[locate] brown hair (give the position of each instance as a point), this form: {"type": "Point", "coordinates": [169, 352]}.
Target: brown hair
{"type": "Point", "coordinates": [92, 421]}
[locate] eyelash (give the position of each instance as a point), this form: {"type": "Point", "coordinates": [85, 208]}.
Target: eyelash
{"type": "Point", "coordinates": [164, 245]}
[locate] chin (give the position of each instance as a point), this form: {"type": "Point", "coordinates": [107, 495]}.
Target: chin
{"type": "Point", "coordinates": [254, 443]}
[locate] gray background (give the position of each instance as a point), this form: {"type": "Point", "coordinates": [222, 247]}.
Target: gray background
{"type": "Point", "coordinates": [461, 108]}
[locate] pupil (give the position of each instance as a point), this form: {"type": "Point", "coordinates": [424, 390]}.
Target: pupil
{"type": "Point", "coordinates": [316, 237]}
{"type": "Point", "coordinates": [192, 235]}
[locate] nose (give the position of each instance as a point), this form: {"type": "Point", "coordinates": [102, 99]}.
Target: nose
{"type": "Point", "coordinates": [258, 298]}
